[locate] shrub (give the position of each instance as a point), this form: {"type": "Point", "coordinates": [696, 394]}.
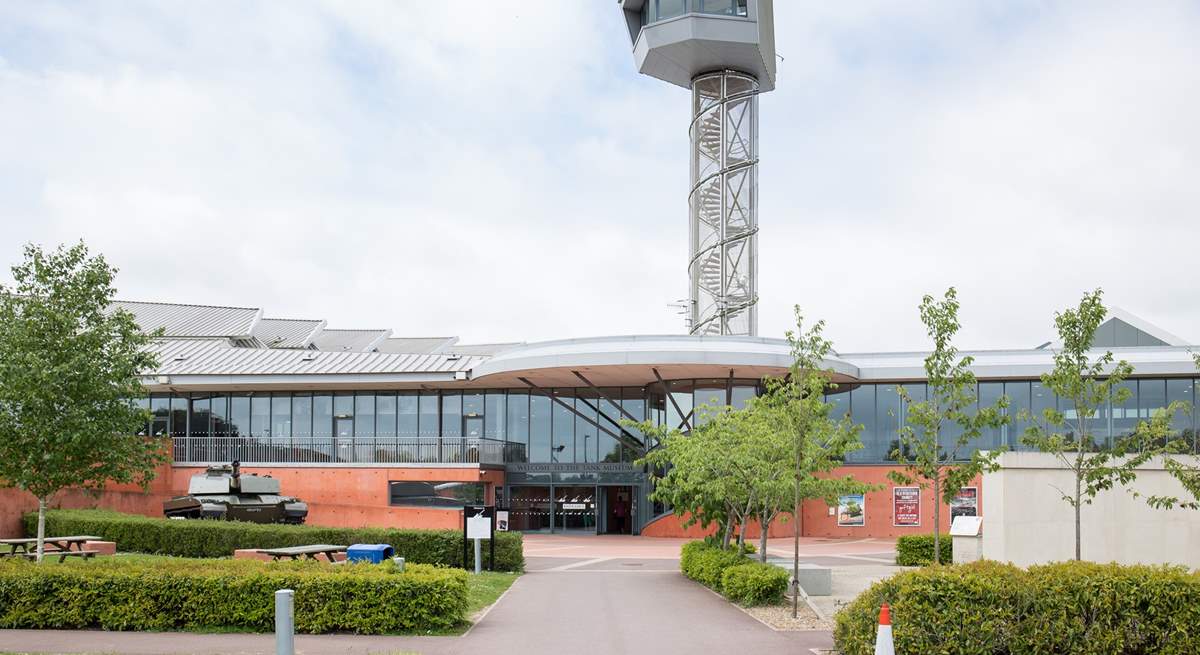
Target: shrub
{"type": "Point", "coordinates": [236, 595]}
{"type": "Point", "coordinates": [706, 563]}
{"type": "Point", "coordinates": [210, 538]}
{"type": "Point", "coordinates": [917, 550]}
{"type": "Point", "coordinates": [997, 609]}
{"type": "Point", "coordinates": [754, 583]}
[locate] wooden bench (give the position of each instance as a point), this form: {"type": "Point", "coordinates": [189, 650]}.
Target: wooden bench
{"type": "Point", "coordinates": [62, 555]}
{"type": "Point", "coordinates": [299, 552]}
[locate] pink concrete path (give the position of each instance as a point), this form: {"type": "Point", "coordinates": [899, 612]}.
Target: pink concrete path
{"type": "Point", "coordinates": [631, 547]}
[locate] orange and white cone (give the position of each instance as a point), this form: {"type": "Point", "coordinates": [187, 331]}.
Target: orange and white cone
{"type": "Point", "coordinates": [883, 637]}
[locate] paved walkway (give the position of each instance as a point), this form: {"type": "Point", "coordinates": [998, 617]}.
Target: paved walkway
{"type": "Point", "coordinates": [582, 595]}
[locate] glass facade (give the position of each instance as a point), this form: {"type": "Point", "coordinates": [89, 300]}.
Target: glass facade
{"type": "Point", "coordinates": [656, 10]}
{"type": "Point", "coordinates": [582, 425]}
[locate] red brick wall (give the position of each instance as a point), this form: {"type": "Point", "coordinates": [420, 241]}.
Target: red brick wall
{"type": "Point", "coordinates": [336, 496]}
{"type": "Point", "coordinates": [817, 521]}
{"type": "Point", "coordinates": [672, 526]}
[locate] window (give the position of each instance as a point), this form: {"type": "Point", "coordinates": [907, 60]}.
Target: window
{"type": "Point", "coordinates": [364, 415]}
{"type": "Point", "coordinates": [385, 415]}
{"type": "Point", "coordinates": [302, 415]}
{"type": "Point", "coordinates": [451, 414]}
{"type": "Point", "coordinates": [563, 449]}
{"type": "Point", "coordinates": [322, 416]}
{"type": "Point", "coordinates": [889, 417]}
{"type": "Point", "coordinates": [990, 438]}
{"type": "Point", "coordinates": [721, 7]}
{"type": "Point", "coordinates": [518, 417]}
{"type": "Point", "coordinates": [239, 415]}
{"type": "Point", "coordinates": [1181, 391]}
{"type": "Point", "coordinates": [539, 428]}
{"type": "Point", "coordinates": [281, 417]}
{"type": "Point", "coordinates": [493, 415]}
{"type": "Point", "coordinates": [451, 494]}
{"type": "Point", "coordinates": [1018, 404]}
{"type": "Point", "coordinates": [406, 415]}
{"type": "Point", "coordinates": [681, 408]}
{"type": "Point", "coordinates": [429, 425]}
{"type": "Point", "coordinates": [260, 416]}
{"type": "Point", "coordinates": [711, 393]}
{"type": "Point", "coordinates": [179, 416]}
{"type": "Point", "coordinates": [862, 412]}
{"type": "Point", "coordinates": [200, 418]}
{"type": "Point", "coordinates": [220, 415]}
{"type": "Point", "coordinates": [586, 435]}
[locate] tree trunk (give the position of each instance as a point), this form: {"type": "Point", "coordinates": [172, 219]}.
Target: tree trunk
{"type": "Point", "coordinates": [728, 534]}
{"type": "Point", "coordinates": [41, 531]}
{"type": "Point", "coordinates": [763, 524]}
{"type": "Point", "coordinates": [937, 518]}
{"type": "Point", "coordinates": [1079, 494]}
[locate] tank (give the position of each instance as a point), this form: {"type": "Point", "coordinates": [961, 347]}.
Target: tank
{"type": "Point", "coordinates": [224, 492]}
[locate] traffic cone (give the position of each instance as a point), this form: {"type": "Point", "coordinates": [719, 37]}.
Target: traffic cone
{"type": "Point", "coordinates": [883, 637]}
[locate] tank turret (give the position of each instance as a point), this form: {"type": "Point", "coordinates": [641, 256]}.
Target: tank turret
{"type": "Point", "coordinates": [224, 492]}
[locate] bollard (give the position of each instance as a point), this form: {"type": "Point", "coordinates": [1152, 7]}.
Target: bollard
{"type": "Point", "coordinates": [284, 623]}
{"type": "Point", "coordinates": [399, 562]}
{"type": "Point", "coordinates": [478, 558]}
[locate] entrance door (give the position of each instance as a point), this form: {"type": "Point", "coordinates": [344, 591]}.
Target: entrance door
{"type": "Point", "coordinates": [575, 509]}
{"type": "Point", "coordinates": [529, 508]}
{"type": "Point", "coordinates": [618, 510]}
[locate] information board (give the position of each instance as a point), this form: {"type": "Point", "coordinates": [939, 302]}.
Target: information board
{"type": "Point", "coordinates": [906, 507]}
{"type": "Point", "coordinates": [852, 511]}
{"type": "Point", "coordinates": [966, 503]}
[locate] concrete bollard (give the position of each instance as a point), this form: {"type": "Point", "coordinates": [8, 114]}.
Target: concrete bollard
{"type": "Point", "coordinates": [399, 562]}
{"type": "Point", "coordinates": [285, 625]}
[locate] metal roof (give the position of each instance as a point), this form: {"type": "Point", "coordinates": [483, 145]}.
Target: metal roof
{"type": "Point", "coordinates": [183, 357]}
{"type": "Point", "coordinates": [288, 332]}
{"type": "Point", "coordinates": [416, 344]}
{"type": "Point", "coordinates": [193, 320]}
{"type": "Point", "coordinates": [350, 340]}
{"type": "Point", "coordinates": [488, 349]}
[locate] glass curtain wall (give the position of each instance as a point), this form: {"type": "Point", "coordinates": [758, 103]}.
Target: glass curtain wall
{"type": "Point", "coordinates": [582, 424]}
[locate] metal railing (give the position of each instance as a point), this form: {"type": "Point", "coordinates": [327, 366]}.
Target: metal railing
{"type": "Point", "coordinates": [321, 450]}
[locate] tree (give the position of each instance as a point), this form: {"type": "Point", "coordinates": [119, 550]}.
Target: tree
{"type": "Point", "coordinates": [819, 443]}
{"type": "Point", "coordinates": [69, 371]}
{"type": "Point", "coordinates": [1084, 386]}
{"type": "Point", "coordinates": [926, 448]}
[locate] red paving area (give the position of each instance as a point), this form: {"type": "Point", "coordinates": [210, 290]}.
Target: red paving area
{"type": "Point", "coordinates": [872, 550]}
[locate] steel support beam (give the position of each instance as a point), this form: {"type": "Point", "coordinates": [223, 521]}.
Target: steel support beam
{"type": "Point", "coordinates": [626, 439]}
{"type": "Point", "coordinates": [667, 393]}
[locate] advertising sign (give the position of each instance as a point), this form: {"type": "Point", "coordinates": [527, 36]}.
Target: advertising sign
{"type": "Point", "coordinates": [966, 503]}
{"type": "Point", "coordinates": [852, 511]}
{"type": "Point", "coordinates": [906, 506]}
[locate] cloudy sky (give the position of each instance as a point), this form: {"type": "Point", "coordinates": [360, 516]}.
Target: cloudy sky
{"type": "Point", "coordinates": [466, 168]}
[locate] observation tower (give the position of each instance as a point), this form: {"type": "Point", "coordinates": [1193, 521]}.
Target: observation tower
{"type": "Point", "coordinates": [724, 51]}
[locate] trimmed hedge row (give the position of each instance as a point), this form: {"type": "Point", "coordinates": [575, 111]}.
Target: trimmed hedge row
{"type": "Point", "coordinates": [209, 538]}
{"type": "Point", "coordinates": [236, 595]}
{"type": "Point", "coordinates": [987, 608]}
{"type": "Point", "coordinates": [917, 550]}
{"type": "Point", "coordinates": [754, 584]}
{"type": "Point", "coordinates": [730, 574]}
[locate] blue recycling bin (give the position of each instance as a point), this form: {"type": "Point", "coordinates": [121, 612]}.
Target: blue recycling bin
{"type": "Point", "coordinates": [373, 553]}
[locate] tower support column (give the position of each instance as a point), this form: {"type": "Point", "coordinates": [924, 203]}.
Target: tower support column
{"type": "Point", "coordinates": [723, 204]}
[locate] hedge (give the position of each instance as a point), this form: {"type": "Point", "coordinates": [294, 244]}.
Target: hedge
{"type": "Point", "coordinates": [211, 538]}
{"type": "Point", "coordinates": [706, 563]}
{"type": "Point", "coordinates": [917, 550]}
{"type": "Point", "coordinates": [754, 583]}
{"type": "Point", "coordinates": [229, 595]}
{"type": "Point", "coordinates": [987, 608]}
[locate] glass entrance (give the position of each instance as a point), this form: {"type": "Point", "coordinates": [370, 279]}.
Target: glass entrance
{"type": "Point", "coordinates": [575, 509]}
{"type": "Point", "coordinates": [529, 509]}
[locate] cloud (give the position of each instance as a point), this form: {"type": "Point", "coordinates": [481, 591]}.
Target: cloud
{"type": "Point", "coordinates": [503, 174]}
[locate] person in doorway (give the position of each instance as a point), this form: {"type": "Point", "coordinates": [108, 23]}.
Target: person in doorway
{"type": "Point", "coordinates": [620, 510]}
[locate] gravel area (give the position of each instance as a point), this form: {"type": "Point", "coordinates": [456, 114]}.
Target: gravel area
{"type": "Point", "coordinates": [779, 617]}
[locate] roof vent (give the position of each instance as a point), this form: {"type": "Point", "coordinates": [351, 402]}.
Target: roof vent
{"type": "Point", "coordinates": [453, 358]}
{"type": "Point", "coordinates": [180, 358]}
{"type": "Point", "coordinates": [309, 358]}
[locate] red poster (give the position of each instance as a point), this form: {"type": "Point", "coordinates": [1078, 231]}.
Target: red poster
{"type": "Point", "coordinates": [966, 503]}
{"type": "Point", "coordinates": [906, 506]}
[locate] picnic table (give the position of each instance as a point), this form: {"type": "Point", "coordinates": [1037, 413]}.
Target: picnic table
{"type": "Point", "coordinates": [63, 547]}
{"type": "Point", "coordinates": [299, 552]}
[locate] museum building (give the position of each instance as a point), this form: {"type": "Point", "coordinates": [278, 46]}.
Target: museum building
{"type": "Point", "coordinates": [374, 429]}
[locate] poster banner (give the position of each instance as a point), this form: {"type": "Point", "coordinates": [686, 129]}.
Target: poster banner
{"type": "Point", "coordinates": [852, 511]}
{"type": "Point", "coordinates": [906, 506]}
{"type": "Point", "coordinates": [966, 503]}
